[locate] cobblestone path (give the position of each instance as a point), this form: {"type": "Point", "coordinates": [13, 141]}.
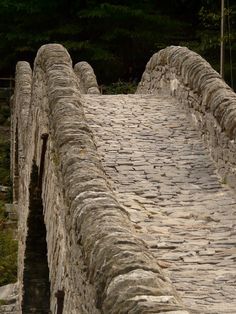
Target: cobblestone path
{"type": "Point", "coordinates": [162, 173]}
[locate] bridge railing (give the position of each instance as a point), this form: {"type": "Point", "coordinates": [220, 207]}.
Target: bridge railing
{"type": "Point", "coordinates": [86, 77]}
{"type": "Point", "coordinates": [182, 73]}
{"type": "Point", "coordinates": [93, 253]}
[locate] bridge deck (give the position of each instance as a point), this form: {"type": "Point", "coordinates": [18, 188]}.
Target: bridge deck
{"type": "Point", "coordinates": [162, 173]}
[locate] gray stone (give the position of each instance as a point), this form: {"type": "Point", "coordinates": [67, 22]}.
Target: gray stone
{"type": "Point", "coordinates": [124, 184]}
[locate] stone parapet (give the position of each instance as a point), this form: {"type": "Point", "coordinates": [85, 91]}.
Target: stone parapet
{"type": "Point", "coordinates": [19, 117]}
{"type": "Point", "coordinates": [87, 79]}
{"type": "Point", "coordinates": [184, 74]}
{"type": "Point", "coordinates": [96, 262]}
{"type": "Point", "coordinates": [20, 107]}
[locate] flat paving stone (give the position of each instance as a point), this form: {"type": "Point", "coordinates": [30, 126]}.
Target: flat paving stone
{"type": "Point", "coordinates": [162, 173]}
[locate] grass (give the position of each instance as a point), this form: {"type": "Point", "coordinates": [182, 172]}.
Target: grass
{"type": "Point", "coordinates": [8, 251]}
{"type": "Point", "coordinates": [120, 87]}
{"type": "Point", "coordinates": [8, 245]}
{"type": "Point", "coordinates": [4, 161]}
{"type": "Point", "coordinates": [2, 302]}
{"type": "Point", "coordinates": [8, 260]}
{"type": "Point", "coordinates": [4, 115]}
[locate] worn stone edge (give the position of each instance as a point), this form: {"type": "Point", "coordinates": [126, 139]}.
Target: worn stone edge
{"type": "Point", "coordinates": [120, 266]}
{"type": "Point", "coordinates": [87, 78]}
{"type": "Point", "coordinates": [197, 74]}
{"type": "Point", "coordinates": [20, 104]}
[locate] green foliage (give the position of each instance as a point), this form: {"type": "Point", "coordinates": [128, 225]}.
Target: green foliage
{"type": "Point", "coordinates": [2, 213]}
{"type": "Point", "coordinates": [2, 302]}
{"type": "Point", "coordinates": [4, 162]}
{"type": "Point", "coordinates": [111, 34]}
{"type": "Point", "coordinates": [8, 246]}
{"type": "Point", "coordinates": [209, 31]}
{"type": "Point", "coordinates": [8, 251]}
{"type": "Point", "coordinates": [124, 35]}
{"type": "Point", "coordinates": [209, 36]}
{"type": "Point", "coordinates": [120, 88]}
{"type": "Point", "coordinates": [4, 115]}
{"type": "Point", "coordinates": [8, 257]}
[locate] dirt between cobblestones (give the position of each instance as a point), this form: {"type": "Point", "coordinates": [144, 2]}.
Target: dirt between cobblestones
{"type": "Point", "coordinates": [162, 173]}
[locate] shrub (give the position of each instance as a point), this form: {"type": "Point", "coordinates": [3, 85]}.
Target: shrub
{"type": "Point", "coordinates": [4, 115]}
{"type": "Point", "coordinates": [4, 162]}
{"type": "Point", "coordinates": [119, 87]}
{"type": "Point", "coordinates": [8, 257]}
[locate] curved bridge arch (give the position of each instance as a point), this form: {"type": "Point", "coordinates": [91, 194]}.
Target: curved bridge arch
{"type": "Point", "coordinates": [95, 258]}
{"type": "Point", "coordinates": [212, 103]}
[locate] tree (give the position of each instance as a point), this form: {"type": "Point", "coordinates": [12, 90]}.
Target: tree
{"type": "Point", "coordinates": [209, 36]}
{"type": "Point", "coordinates": [113, 36]}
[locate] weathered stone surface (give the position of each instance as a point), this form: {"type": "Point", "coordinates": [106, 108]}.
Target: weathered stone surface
{"type": "Point", "coordinates": [93, 253]}
{"type": "Point", "coordinates": [9, 297]}
{"type": "Point", "coordinates": [87, 79]}
{"type": "Point", "coordinates": [8, 293]}
{"type": "Point", "coordinates": [115, 188]}
{"type": "Point", "coordinates": [182, 73]}
{"type": "Point", "coordinates": [162, 174]}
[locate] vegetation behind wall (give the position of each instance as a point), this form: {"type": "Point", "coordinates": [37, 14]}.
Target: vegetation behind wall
{"type": "Point", "coordinates": [8, 244]}
{"type": "Point", "coordinates": [116, 37]}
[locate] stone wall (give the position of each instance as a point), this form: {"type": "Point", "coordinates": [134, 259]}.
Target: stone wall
{"type": "Point", "coordinates": [19, 167]}
{"type": "Point", "coordinates": [87, 79]}
{"type": "Point", "coordinates": [21, 101]}
{"type": "Point", "coordinates": [8, 299]}
{"type": "Point", "coordinates": [96, 263]}
{"type": "Point", "coordinates": [182, 73]}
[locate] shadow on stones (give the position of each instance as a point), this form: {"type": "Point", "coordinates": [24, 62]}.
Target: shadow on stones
{"type": "Point", "coordinates": [36, 298]}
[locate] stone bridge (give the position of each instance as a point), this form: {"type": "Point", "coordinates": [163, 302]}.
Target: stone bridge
{"type": "Point", "coordinates": [125, 202]}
